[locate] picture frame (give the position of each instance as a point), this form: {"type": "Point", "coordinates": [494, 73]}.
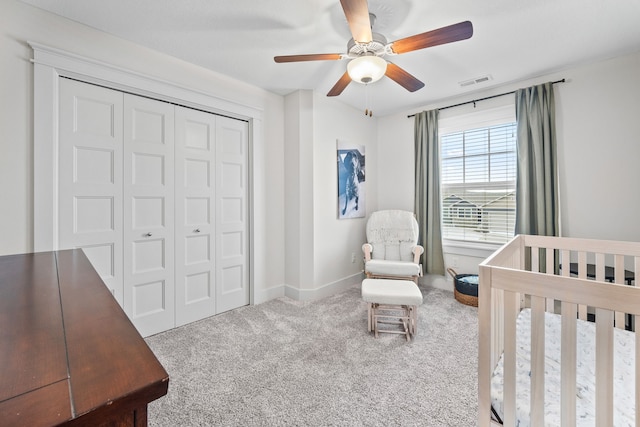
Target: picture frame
{"type": "Point", "coordinates": [351, 180]}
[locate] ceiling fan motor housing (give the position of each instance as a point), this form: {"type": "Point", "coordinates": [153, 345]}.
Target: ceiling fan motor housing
{"type": "Point", "coordinates": [375, 46]}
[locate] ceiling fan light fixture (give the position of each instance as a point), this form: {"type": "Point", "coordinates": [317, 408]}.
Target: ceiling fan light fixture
{"type": "Point", "coordinates": [367, 69]}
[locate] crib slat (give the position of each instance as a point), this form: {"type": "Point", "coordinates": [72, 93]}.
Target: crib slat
{"type": "Point", "coordinates": [497, 322]}
{"type": "Point", "coordinates": [619, 278]}
{"type": "Point", "coordinates": [511, 309]}
{"type": "Point", "coordinates": [604, 367]}
{"type": "Point", "coordinates": [550, 269]}
{"type": "Point", "coordinates": [568, 354]}
{"type": "Point", "coordinates": [637, 368]}
{"type": "Point", "coordinates": [486, 364]}
{"type": "Point", "coordinates": [537, 360]}
{"type": "Point", "coordinates": [582, 274]}
{"type": "Point", "coordinates": [535, 259]}
{"type": "Point", "coordinates": [619, 269]}
{"type": "Point", "coordinates": [550, 261]}
{"type": "Point", "coordinates": [636, 269]}
{"type": "Point", "coordinates": [600, 267]}
{"type": "Point", "coordinates": [565, 259]}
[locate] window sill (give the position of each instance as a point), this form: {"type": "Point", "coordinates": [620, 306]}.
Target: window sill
{"type": "Point", "coordinates": [473, 249]}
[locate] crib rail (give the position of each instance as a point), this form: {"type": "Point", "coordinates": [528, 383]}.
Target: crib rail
{"type": "Point", "coordinates": [534, 271]}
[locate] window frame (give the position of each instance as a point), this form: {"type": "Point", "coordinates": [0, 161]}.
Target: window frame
{"type": "Point", "coordinates": [451, 122]}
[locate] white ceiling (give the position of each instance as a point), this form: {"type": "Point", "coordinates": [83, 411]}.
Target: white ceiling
{"type": "Point", "coordinates": [512, 40]}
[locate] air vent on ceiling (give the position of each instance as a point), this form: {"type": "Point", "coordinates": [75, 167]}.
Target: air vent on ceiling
{"type": "Point", "coordinates": [475, 81]}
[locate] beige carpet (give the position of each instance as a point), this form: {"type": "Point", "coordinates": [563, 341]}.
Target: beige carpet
{"type": "Point", "coordinates": [290, 363]}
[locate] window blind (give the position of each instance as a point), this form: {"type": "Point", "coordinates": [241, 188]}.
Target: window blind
{"type": "Point", "coordinates": [478, 177]}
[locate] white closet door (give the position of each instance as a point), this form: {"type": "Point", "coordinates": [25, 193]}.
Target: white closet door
{"type": "Point", "coordinates": [90, 177]}
{"type": "Point", "coordinates": [148, 214]}
{"type": "Point", "coordinates": [194, 185]}
{"type": "Point", "coordinates": [231, 222]}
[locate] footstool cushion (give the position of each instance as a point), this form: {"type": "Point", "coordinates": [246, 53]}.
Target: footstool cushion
{"type": "Point", "coordinates": [392, 292]}
{"type": "Point", "coordinates": [386, 296]}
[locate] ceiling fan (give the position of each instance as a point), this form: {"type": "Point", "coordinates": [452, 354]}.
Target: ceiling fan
{"type": "Point", "coordinates": [366, 49]}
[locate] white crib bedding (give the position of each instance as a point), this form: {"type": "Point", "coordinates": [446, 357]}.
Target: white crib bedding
{"type": "Point", "coordinates": [624, 374]}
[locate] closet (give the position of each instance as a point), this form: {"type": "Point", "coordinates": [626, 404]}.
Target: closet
{"type": "Point", "coordinates": [156, 195]}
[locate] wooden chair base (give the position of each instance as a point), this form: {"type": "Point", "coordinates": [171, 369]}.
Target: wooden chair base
{"type": "Point", "coordinates": [388, 314]}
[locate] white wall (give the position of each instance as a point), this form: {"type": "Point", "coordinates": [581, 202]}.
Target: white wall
{"type": "Point", "coordinates": [337, 239]}
{"type": "Point", "coordinates": [298, 173]}
{"type": "Point", "coordinates": [319, 246]}
{"type": "Point", "coordinates": [599, 150]}
{"type": "Point", "coordinates": [395, 162]}
{"type": "Point", "coordinates": [598, 132]}
{"type": "Point", "coordinates": [20, 23]}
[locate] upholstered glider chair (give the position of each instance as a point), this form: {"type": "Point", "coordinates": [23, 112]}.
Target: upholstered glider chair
{"type": "Point", "coordinates": [392, 250]}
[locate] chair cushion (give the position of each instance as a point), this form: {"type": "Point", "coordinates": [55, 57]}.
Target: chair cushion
{"type": "Point", "coordinates": [393, 251]}
{"type": "Point", "coordinates": [386, 291]}
{"type": "Point", "coordinates": [393, 234]}
{"type": "Point", "coordinates": [392, 268]}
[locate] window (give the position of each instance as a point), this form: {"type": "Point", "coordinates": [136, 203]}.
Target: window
{"type": "Point", "coordinates": [478, 177]}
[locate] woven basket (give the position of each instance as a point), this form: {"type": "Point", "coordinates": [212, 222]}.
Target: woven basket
{"type": "Point", "coordinates": [465, 299]}
{"type": "Point", "coordinates": [471, 300]}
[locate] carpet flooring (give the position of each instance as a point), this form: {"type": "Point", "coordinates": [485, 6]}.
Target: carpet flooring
{"type": "Point", "coordinates": [313, 363]}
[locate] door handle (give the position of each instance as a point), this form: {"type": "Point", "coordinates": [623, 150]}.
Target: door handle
{"type": "Point", "coordinates": [148, 235]}
{"type": "Point", "coordinates": [197, 230]}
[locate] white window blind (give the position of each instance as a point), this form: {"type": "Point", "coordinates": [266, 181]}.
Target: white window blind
{"type": "Point", "coordinates": [478, 176]}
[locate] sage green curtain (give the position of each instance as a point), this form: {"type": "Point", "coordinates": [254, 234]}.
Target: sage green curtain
{"type": "Point", "coordinates": [427, 188]}
{"type": "Point", "coordinates": [537, 170]}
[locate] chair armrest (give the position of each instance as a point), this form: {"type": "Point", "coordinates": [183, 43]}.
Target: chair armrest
{"type": "Point", "coordinates": [417, 251]}
{"type": "Point", "coordinates": [367, 249]}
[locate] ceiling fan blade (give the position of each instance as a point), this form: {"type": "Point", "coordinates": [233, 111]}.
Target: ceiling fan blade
{"type": "Point", "coordinates": [309, 57]}
{"type": "Point", "coordinates": [357, 13]}
{"type": "Point", "coordinates": [403, 78]}
{"type": "Point", "coordinates": [451, 33]}
{"type": "Point", "coordinates": [340, 85]}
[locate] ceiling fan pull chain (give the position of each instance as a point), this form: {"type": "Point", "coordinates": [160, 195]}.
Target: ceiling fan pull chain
{"type": "Point", "coordinates": [366, 100]}
{"type": "Point", "coordinates": [367, 111]}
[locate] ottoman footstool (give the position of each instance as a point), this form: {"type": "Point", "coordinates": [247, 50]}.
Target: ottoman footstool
{"type": "Point", "coordinates": [392, 302]}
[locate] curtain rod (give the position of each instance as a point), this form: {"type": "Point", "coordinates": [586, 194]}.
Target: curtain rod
{"type": "Point", "coordinates": [482, 99]}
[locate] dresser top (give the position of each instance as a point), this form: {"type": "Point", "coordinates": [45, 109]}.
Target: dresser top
{"type": "Point", "coordinates": [67, 349]}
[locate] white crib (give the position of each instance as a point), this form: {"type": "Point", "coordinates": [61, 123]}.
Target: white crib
{"type": "Point", "coordinates": [533, 272]}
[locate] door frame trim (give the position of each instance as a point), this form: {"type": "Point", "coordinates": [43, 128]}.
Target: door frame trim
{"type": "Point", "coordinates": [51, 64]}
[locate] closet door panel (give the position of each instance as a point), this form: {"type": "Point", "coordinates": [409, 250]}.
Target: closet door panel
{"type": "Point", "coordinates": [232, 282]}
{"type": "Point", "coordinates": [90, 177]}
{"type": "Point", "coordinates": [156, 195]}
{"type": "Point", "coordinates": [148, 214]}
{"type": "Point", "coordinates": [194, 189]}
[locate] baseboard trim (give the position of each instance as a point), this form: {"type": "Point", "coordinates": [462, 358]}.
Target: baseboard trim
{"type": "Point", "coordinates": [264, 295]}
{"type": "Point", "coordinates": [323, 291]}
{"type": "Point", "coordinates": [437, 281]}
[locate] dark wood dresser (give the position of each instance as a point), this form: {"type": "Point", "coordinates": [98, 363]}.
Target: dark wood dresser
{"type": "Point", "coordinates": [68, 353]}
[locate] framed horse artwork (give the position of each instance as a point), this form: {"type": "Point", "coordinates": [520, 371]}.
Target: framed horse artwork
{"type": "Point", "coordinates": [351, 179]}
